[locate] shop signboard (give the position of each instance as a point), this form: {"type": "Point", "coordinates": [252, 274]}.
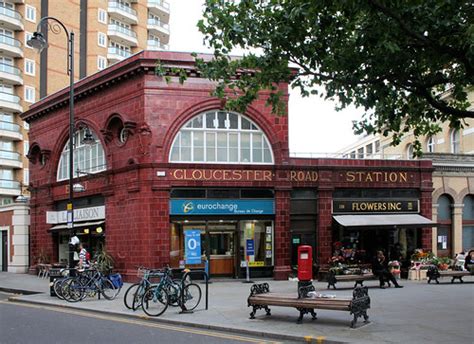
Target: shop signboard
{"type": "Point", "coordinates": [222, 207]}
{"type": "Point", "coordinates": [192, 240]}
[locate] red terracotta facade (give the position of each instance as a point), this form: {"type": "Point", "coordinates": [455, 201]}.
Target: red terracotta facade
{"type": "Point", "coordinates": [137, 200]}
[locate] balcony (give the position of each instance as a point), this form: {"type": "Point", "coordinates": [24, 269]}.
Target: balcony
{"type": "Point", "coordinates": [10, 74]}
{"type": "Point", "coordinates": [122, 35]}
{"type": "Point", "coordinates": [156, 45]}
{"type": "Point", "coordinates": [11, 19]}
{"type": "Point", "coordinates": [122, 13]}
{"type": "Point", "coordinates": [160, 8]}
{"type": "Point", "coordinates": [10, 102]}
{"type": "Point", "coordinates": [10, 131]}
{"type": "Point", "coordinates": [159, 29]}
{"type": "Point", "coordinates": [10, 159]}
{"type": "Point", "coordinates": [10, 46]}
{"type": "Point", "coordinates": [10, 187]}
{"type": "Point", "coordinates": [115, 55]}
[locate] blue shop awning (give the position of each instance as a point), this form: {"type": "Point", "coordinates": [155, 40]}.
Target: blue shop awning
{"type": "Point", "coordinates": [385, 220]}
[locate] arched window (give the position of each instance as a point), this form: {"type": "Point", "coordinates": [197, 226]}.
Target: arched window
{"type": "Point", "coordinates": [445, 225]}
{"type": "Point", "coordinates": [468, 223]}
{"type": "Point", "coordinates": [455, 142]}
{"type": "Point", "coordinates": [88, 158]}
{"type": "Point", "coordinates": [409, 151]}
{"type": "Point", "coordinates": [221, 137]}
{"type": "Point", "coordinates": [430, 144]}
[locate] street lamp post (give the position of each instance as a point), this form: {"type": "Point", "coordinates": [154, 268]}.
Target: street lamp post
{"type": "Point", "coordinates": [38, 41]}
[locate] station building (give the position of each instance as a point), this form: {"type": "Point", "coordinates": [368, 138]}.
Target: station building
{"type": "Point", "coordinates": [168, 159]}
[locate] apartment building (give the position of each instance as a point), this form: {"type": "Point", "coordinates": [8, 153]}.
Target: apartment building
{"type": "Point", "coordinates": [105, 32]}
{"type": "Point", "coordinates": [452, 154]}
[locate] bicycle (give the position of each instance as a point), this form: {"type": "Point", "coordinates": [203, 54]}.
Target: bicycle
{"type": "Point", "coordinates": [134, 294]}
{"type": "Point", "coordinates": [158, 297]}
{"type": "Point", "coordinates": [89, 283]}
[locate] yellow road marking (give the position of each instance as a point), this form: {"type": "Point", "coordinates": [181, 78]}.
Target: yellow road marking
{"type": "Point", "coordinates": [144, 322]}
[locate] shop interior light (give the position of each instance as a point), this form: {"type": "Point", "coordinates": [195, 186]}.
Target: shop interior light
{"type": "Point", "coordinates": [98, 229]}
{"type": "Point", "coordinates": [86, 231]}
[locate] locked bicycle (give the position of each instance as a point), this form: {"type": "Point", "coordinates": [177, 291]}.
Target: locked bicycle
{"type": "Point", "coordinates": [184, 294]}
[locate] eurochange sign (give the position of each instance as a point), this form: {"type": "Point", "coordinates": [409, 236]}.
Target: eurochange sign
{"type": "Point", "coordinates": [221, 207]}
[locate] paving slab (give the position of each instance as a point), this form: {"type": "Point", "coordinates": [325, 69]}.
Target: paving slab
{"type": "Point", "coordinates": [418, 313]}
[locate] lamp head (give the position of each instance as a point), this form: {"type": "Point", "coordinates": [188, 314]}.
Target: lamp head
{"type": "Point", "coordinates": [21, 199]}
{"type": "Point", "coordinates": [37, 42]}
{"type": "Point", "coordinates": [78, 187]}
{"type": "Point", "coordinates": [88, 138]}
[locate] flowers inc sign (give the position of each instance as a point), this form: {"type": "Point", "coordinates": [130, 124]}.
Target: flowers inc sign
{"type": "Point", "coordinates": [82, 214]}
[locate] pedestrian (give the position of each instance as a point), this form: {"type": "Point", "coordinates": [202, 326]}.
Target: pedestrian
{"type": "Point", "coordinates": [83, 257]}
{"type": "Point", "coordinates": [380, 269]}
{"type": "Point", "coordinates": [460, 260]}
{"type": "Point", "coordinates": [469, 261]}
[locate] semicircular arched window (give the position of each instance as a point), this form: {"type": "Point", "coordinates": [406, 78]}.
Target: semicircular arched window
{"type": "Point", "coordinates": [88, 158]}
{"type": "Point", "coordinates": [221, 137]}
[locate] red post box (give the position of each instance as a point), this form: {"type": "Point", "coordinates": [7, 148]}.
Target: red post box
{"type": "Point", "coordinates": [305, 263]}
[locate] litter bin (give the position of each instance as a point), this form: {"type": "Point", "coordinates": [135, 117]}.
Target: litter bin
{"type": "Point", "coordinates": [54, 274]}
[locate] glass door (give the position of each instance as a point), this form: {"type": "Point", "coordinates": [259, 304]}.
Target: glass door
{"type": "Point", "coordinates": [221, 241]}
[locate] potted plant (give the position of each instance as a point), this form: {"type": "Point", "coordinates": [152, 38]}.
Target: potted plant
{"type": "Point", "coordinates": [104, 261]}
{"type": "Point", "coordinates": [444, 263]}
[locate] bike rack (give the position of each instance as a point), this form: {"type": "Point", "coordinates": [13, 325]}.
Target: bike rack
{"type": "Point", "coordinates": [199, 273]}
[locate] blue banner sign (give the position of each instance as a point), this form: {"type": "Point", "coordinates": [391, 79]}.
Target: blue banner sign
{"type": "Point", "coordinates": [192, 242]}
{"type": "Point", "coordinates": [250, 247]}
{"type": "Point", "coordinates": [222, 207]}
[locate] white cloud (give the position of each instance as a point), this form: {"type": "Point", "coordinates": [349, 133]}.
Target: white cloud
{"type": "Point", "coordinates": [314, 125]}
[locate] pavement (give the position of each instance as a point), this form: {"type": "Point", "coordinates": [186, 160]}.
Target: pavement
{"type": "Point", "coordinates": [417, 313]}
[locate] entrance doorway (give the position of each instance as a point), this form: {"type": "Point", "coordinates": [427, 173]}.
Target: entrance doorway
{"type": "Point", "coordinates": [222, 239]}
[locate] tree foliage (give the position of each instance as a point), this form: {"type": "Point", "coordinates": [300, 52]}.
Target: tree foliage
{"type": "Point", "coordinates": [407, 63]}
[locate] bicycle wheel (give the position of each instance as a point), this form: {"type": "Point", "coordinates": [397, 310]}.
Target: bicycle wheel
{"type": "Point", "coordinates": [73, 290]}
{"type": "Point", "coordinates": [155, 301]}
{"type": "Point", "coordinates": [108, 289]}
{"type": "Point", "coordinates": [129, 295]}
{"type": "Point", "coordinates": [192, 296]}
{"type": "Point", "coordinates": [173, 290]}
{"type": "Point", "coordinates": [58, 288]}
{"type": "Point", "coordinates": [138, 296]}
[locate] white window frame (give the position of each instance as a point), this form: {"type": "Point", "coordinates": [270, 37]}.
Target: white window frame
{"type": "Point", "coordinates": [101, 62]}
{"type": "Point", "coordinates": [30, 67]}
{"type": "Point", "coordinates": [28, 36]}
{"type": "Point", "coordinates": [26, 176]}
{"type": "Point", "coordinates": [26, 125]}
{"type": "Point", "coordinates": [430, 144]}
{"type": "Point", "coordinates": [30, 10]}
{"type": "Point", "coordinates": [102, 16]}
{"type": "Point", "coordinates": [101, 39]}
{"type": "Point", "coordinates": [26, 147]}
{"type": "Point", "coordinates": [29, 91]}
{"type": "Point", "coordinates": [221, 137]}
{"type": "Point", "coordinates": [455, 144]}
{"type": "Point", "coordinates": [409, 151]}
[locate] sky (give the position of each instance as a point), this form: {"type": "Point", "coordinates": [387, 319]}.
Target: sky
{"type": "Point", "coordinates": [314, 126]}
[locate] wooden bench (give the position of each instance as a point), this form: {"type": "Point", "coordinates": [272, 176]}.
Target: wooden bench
{"type": "Point", "coordinates": [261, 297]}
{"type": "Point", "coordinates": [358, 279]}
{"type": "Point", "coordinates": [433, 274]}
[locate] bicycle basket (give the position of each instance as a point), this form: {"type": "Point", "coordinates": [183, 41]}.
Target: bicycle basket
{"type": "Point", "coordinates": [116, 280]}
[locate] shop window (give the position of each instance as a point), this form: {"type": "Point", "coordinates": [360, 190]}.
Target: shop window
{"type": "Point", "coordinates": [220, 136]}
{"type": "Point", "coordinates": [260, 235]}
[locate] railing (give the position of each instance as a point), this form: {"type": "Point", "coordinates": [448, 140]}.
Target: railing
{"type": "Point", "coordinates": [113, 4]}
{"type": "Point", "coordinates": [151, 43]}
{"type": "Point", "coordinates": [378, 155]}
{"type": "Point", "coordinates": [9, 126]}
{"type": "Point", "coordinates": [152, 21]}
{"type": "Point", "coordinates": [160, 3]}
{"type": "Point", "coordinates": [9, 155]}
{"type": "Point", "coordinates": [10, 13]}
{"type": "Point", "coordinates": [9, 97]}
{"type": "Point", "coordinates": [125, 31]}
{"type": "Point", "coordinates": [6, 68]}
{"type": "Point", "coordinates": [9, 184]}
{"type": "Point", "coordinates": [10, 41]}
{"type": "Point", "coordinates": [118, 51]}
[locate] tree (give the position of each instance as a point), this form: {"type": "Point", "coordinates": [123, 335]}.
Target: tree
{"type": "Point", "coordinates": [408, 63]}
